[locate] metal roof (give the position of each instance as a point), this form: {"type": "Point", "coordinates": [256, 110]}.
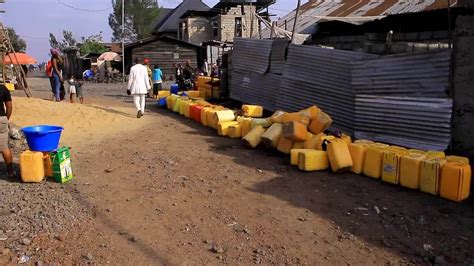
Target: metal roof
{"type": "Point", "coordinates": [354, 10]}
{"type": "Point", "coordinates": [169, 21]}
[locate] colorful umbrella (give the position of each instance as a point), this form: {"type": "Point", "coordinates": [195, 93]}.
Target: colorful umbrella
{"type": "Point", "coordinates": [110, 56]}
{"type": "Point", "coordinates": [18, 59]}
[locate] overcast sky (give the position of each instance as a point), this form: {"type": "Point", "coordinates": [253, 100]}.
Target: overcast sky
{"type": "Point", "coordinates": [34, 19]}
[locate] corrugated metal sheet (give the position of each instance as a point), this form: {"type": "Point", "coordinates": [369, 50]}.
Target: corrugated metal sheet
{"type": "Point", "coordinates": [278, 56]}
{"type": "Point", "coordinates": [253, 88]}
{"type": "Point", "coordinates": [422, 123]}
{"type": "Point", "coordinates": [419, 74]}
{"type": "Point", "coordinates": [323, 77]}
{"type": "Point", "coordinates": [252, 55]}
{"type": "Point", "coordinates": [314, 10]}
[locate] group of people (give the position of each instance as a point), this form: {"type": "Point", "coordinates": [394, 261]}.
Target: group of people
{"type": "Point", "coordinates": [139, 83]}
{"type": "Point", "coordinates": [54, 70]}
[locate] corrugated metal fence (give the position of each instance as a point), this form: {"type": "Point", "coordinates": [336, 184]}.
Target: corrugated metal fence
{"type": "Point", "coordinates": [356, 89]}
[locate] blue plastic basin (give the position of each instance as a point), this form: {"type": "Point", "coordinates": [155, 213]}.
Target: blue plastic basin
{"type": "Point", "coordinates": [43, 138]}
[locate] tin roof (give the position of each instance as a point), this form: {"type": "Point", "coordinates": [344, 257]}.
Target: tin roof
{"type": "Point", "coordinates": [355, 11]}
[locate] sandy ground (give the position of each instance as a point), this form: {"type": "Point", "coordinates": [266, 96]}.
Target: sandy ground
{"type": "Point", "coordinates": [165, 190]}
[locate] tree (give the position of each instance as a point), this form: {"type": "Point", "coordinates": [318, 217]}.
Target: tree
{"type": "Point", "coordinates": [19, 45]}
{"type": "Point", "coordinates": [139, 18]}
{"type": "Point", "coordinates": [67, 41]}
{"type": "Point", "coordinates": [93, 44]}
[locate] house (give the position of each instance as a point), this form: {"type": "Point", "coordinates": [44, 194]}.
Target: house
{"type": "Point", "coordinates": [163, 51]}
{"type": "Point", "coordinates": [226, 20]}
{"type": "Point", "coordinates": [168, 21]}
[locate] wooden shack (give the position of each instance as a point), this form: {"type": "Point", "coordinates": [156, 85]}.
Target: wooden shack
{"type": "Point", "coordinates": [163, 51]}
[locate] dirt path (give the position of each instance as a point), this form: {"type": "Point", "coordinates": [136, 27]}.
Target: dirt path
{"type": "Point", "coordinates": [172, 192]}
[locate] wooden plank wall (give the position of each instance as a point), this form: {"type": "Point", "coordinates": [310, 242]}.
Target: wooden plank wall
{"type": "Point", "coordinates": [161, 53]}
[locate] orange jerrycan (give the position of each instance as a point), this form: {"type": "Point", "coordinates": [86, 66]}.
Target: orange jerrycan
{"type": "Point", "coordinates": [455, 181]}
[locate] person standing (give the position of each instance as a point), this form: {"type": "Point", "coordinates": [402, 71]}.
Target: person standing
{"type": "Point", "coordinates": [56, 73]}
{"type": "Point", "coordinates": [146, 63]}
{"type": "Point", "coordinates": [138, 86]}
{"type": "Point", "coordinates": [157, 81]}
{"type": "Point", "coordinates": [6, 110]}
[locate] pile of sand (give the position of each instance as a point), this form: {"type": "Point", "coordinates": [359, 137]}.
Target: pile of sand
{"type": "Point", "coordinates": [83, 124]}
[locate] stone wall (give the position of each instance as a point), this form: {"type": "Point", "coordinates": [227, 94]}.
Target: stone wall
{"type": "Point", "coordinates": [463, 85]}
{"type": "Point", "coordinates": [227, 23]}
{"type": "Point", "coordinates": [199, 30]}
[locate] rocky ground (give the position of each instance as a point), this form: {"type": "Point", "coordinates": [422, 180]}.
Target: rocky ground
{"type": "Point", "coordinates": [173, 192]}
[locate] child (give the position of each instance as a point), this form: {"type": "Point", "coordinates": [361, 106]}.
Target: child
{"type": "Point", "coordinates": [72, 87]}
{"type": "Point", "coordinates": [79, 91]}
{"type": "Point", "coordinates": [157, 81]}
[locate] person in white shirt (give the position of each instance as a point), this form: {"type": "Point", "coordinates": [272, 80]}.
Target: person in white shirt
{"type": "Point", "coordinates": [139, 86]}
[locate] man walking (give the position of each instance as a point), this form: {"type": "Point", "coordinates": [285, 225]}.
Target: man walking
{"type": "Point", "coordinates": [6, 109]}
{"type": "Point", "coordinates": [138, 86]}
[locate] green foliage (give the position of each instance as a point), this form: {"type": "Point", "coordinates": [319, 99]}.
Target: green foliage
{"type": "Point", "coordinates": [93, 44]}
{"type": "Point", "coordinates": [67, 41]}
{"type": "Point", "coordinates": [18, 43]}
{"type": "Point", "coordinates": [140, 16]}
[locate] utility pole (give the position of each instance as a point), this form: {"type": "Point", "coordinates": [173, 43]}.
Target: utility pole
{"type": "Point", "coordinates": [251, 19]}
{"type": "Point", "coordinates": [123, 41]}
{"type": "Point", "coordinates": [296, 20]}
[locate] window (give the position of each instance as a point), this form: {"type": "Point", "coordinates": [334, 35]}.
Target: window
{"type": "Point", "coordinates": [215, 28]}
{"type": "Point", "coordinates": [238, 27]}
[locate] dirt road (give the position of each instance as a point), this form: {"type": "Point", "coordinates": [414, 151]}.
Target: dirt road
{"type": "Point", "coordinates": [170, 191]}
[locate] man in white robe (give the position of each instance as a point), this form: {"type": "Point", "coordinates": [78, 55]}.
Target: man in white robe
{"type": "Point", "coordinates": [139, 86]}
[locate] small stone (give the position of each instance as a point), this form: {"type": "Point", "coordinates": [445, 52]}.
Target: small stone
{"type": "Point", "coordinates": [3, 237]}
{"type": "Point", "coordinates": [26, 241]}
{"type": "Point", "coordinates": [220, 257]}
{"type": "Point", "coordinates": [376, 209]}
{"type": "Point", "coordinates": [301, 219]}
{"type": "Point", "coordinates": [59, 237]}
{"type": "Point", "coordinates": [175, 204]}
{"type": "Point", "coordinates": [39, 263]}
{"type": "Point", "coordinates": [207, 241]}
{"type": "Point", "coordinates": [89, 256]}
{"type": "Point", "coordinates": [132, 239]}
{"type": "Point", "coordinates": [103, 245]}
{"type": "Point", "coordinates": [217, 249]}
{"type": "Point", "coordinates": [108, 171]}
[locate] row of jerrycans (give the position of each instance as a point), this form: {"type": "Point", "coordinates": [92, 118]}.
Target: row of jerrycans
{"type": "Point", "coordinates": [431, 172]}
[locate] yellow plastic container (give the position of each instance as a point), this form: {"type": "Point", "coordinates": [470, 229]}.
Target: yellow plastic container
{"type": "Point", "coordinates": [310, 143]}
{"type": "Point", "coordinates": [10, 86]}
{"type": "Point", "coordinates": [357, 151]}
{"type": "Point", "coordinates": [48, 165]}
{"type": "Point", "coordinates": [295, 131]}
{"type": "Point", "coordinates": [32, 167]}
{"type": "Point", "coordinates": [410, 166]}
{"type": "Point", "coordinates": [254, 137]}
{"type": "Point", "coordinates": [416, 151]}
{"type": "Point", "coordinates": [391, 166]}
{"type": "Point", "coordinates": [429, 175]}
{"type": "Point", "coordinates": [322, 122]}
{"type": "Point", "coordinates": [339, 156]}
{"type": "Point", "coordinates": [285, 145]}
{"type": "Point", "coordinates": [313, 160]}
{"type": "Point", "coordinates": [347, 139]}
{"type": "Point", "coordinates": [246, 125]}
{"type": "Point", "coordinates": [296, 117]}
{"type": "Point", "coordinates": [364, 141]}
{"type": "Point", "coordinates": [277, 117]}
{"type": "Point", "coordinates": [177, 105]}
{"type": "Point", "coordinates": [457, 159]}
{"type": "Point", "coordinates": [294, 156]}
{"type": "Point", "coordinates": [204, 116]}
{"type": "Point", "coordinates": [163, 94]}
{"type": "Point", "coordinates": [264, 122]}
{"type": "Point", "coordinates": [313, 112]}
{"type": "Point", "coordinates": [271, 137]}
{"type": "Point", "coordinates": [373, 162]}
{"type": "Point", "coordinates": [211, 118]}
{"type": "Point", "coordinates": [235, 131]}
{"type": "Point", "coordinates": [397, 149]}
{"type": "Point", "coordinates": [435, 155]}
{"type": "Point", "coordinates": [455, 181]}
{"type": "Point", "coordinates": [298, 145]}
{"type": "Point", "coordinates": [223, 127]}
{"type": "Point", "coordinates": [224, 116]}
{"type": "Point", "coordinates": [193, 94]}
{"type": "Point", "coordinates": [321, 141]}
{"type": "Point", "coordinates": [252, 110]}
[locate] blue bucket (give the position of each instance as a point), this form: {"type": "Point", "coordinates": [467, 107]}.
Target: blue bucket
{"type": "Point", "coordinates": [161, 102]}
{"type": "Point", "coordinates": [174, 88]}
{"type": "Point", "coordinates": [43, 138]}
